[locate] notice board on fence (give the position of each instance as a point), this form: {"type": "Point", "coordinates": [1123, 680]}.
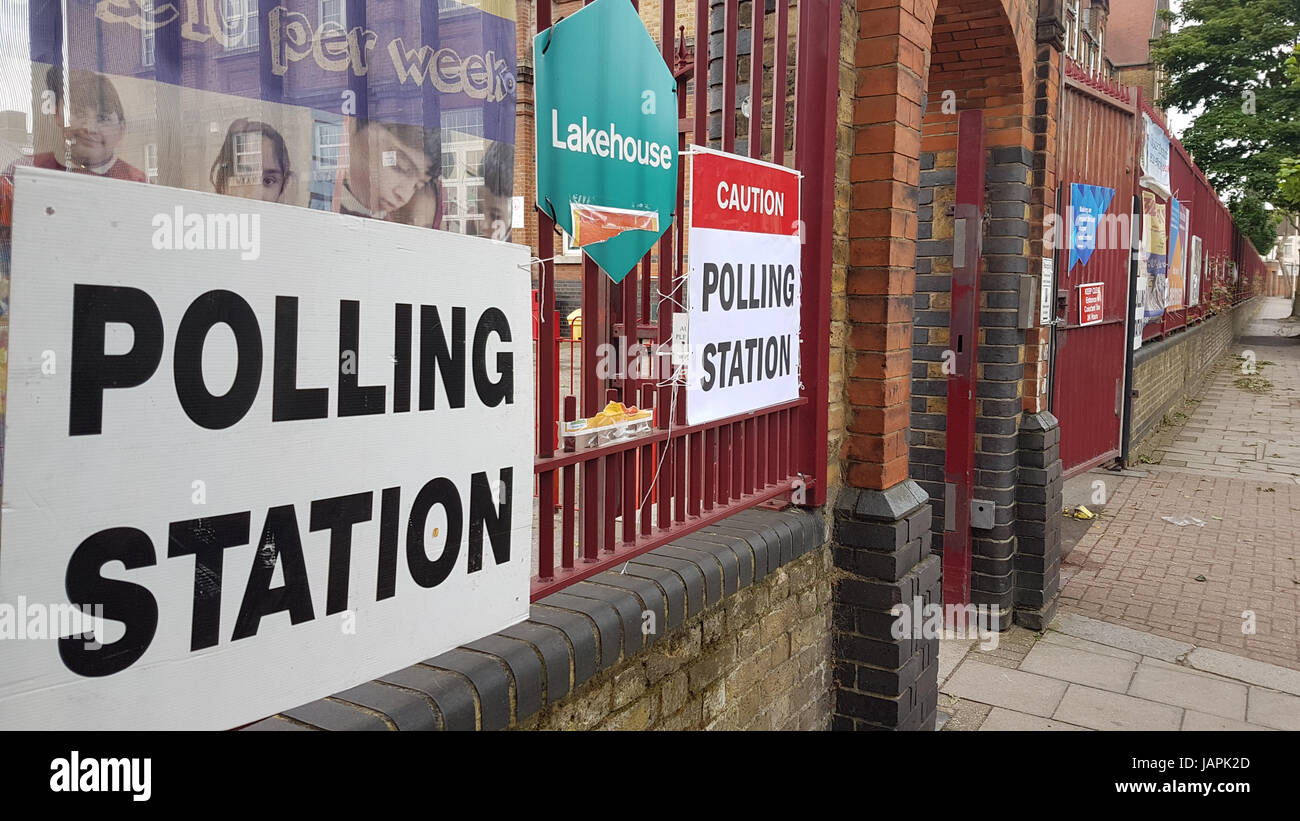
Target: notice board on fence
{"type": "Point", "coordinates": [744, 285]}
{"type": "Point", "coordinates": [270, 452]}
{"type": "Point", "coordinates": [1194, 279]}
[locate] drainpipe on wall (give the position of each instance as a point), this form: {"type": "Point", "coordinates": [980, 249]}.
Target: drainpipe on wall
{"type": "Point", "coordinates": [1056, 251]}
{"type": "Point", "coordinates": [1130, 327]}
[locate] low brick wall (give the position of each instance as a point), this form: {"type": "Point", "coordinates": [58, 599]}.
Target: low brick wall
{"type": "Point", "coordinates": [757, 661]}
{"type": "Point", "coordinates": [1177, 366]}
{"type": "Point", "coordinates": [728, 628]}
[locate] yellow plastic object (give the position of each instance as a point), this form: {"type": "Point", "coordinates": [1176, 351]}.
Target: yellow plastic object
{"type": "Point", "coordinates": [575, 323]}
{"type": "Point", "coordinates": [1082, 512]}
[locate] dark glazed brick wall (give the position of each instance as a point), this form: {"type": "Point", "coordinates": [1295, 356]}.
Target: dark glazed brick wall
{"type": "Point", "coordinates": [882, 548]}
{"type": "Point", "coordinates": [1001, 372]}
{"type": "Point", "coordinates": [1037, 561]}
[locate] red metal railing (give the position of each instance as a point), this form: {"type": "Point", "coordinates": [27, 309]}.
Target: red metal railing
{"type": "Point", "coordinates": [1222, 241]}
{"type": "Point", "coordinates": [1111, 88]}
{"type": "Point", "coordinates": [599, 506]}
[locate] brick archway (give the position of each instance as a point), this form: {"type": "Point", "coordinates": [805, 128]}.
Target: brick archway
{"type": "Point", "coordinates": [916, 67]}
{"type": "Point", "coordinates": [898, 71]}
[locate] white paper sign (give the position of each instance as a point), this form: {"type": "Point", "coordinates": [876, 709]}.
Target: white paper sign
{"type": "Point", "coordinates": [681, 350]}
{"type": "Point", "coordinates": [1194, 281]}
{"type": "Point", "coordinates": [743, 286]}
{"type": "Point", "coordinates": [1139, 307]}
{"type": "Point", "coordinates": [1047, 291]}
{"type": "Point", "coordinates": [1155, 157]}
{"type": "Point", "coordinates": [259, 450]}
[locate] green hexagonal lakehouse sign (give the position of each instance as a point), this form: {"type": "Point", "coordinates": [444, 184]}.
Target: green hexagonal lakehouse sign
{"type": "Point", "coordinates": [606, 133]}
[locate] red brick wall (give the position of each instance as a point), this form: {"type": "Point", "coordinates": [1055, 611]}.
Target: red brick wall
{"type": "Point", "coordinates": [983, 51]}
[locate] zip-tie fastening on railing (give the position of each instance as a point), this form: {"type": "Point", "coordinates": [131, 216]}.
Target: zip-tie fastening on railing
{"type": "Point", "coordinates": [672, 408]}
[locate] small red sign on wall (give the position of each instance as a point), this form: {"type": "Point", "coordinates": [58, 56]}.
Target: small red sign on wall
{"type": "Point", "coordinates": [1091, 303]}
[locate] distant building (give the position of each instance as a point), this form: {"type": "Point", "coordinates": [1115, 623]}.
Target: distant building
{"type": "Point", "coordinates": [1134, 24]}
{"type": "Point", "coordinates": [1086, 23]}
{"type": "Point", "coordinates": [1283, 261]}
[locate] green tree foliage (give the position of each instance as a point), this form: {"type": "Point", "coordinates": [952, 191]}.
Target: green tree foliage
{"type": "Point", "coordinates": [1230, 57]}
{"type": "Point", "coordinates": [1288, 177]}
{"type": "Point", "coordinates": [1254, 221]}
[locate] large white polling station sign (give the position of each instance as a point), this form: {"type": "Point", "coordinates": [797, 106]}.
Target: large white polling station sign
{"type": "Point", "coordinates": [743, 284]}
{"type": "Point", "coordinates": [279, 451]}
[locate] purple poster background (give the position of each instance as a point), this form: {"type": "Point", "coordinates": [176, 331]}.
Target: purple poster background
{"type": "Point", "coordinates": [390, 60]}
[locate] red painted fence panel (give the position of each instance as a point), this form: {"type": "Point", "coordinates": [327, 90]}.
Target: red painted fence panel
{"type": "Point", "coordinates": [600, 505]}
{"type": "Point", "coordinates": [1098, 149]}
{"type": "Point", "coordinates": [1102, 133]}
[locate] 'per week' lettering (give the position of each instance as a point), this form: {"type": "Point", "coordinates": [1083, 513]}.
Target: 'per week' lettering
{"type": "Point", "coordinates": [292, 37]}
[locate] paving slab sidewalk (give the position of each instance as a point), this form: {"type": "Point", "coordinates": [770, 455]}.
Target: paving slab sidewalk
{"type": "Point", "coordinates": [1085, 674]}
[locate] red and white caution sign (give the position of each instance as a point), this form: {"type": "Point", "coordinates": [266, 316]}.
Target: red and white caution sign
{"type": "Point", "coordinates": [744, 286]}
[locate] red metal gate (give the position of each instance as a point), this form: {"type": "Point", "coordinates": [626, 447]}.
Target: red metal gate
{"type": "Point", "coordinates": [1098, 148]}
{"type": "Point", "coordinates": [615, 501]}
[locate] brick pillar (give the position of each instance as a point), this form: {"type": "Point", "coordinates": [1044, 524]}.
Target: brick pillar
{"type": "Point", "coordinates": [1001, 369]}
{"type": "Point", "coordinates": [525, 129]}
{"type": "Point", "coordinates": [1038, 493]}
{"type": "Point", "coordinates": [882, 522]}
{"type": "Point", "coordinates": [1042, 204]}
{"type": "Point", "coordinates": [882, 547]}
{"type": "Point", "coordinates": [1038, 520]}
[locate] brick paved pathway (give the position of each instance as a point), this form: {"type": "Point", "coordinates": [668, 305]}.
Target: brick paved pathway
{"type": "Point", "coordinates": [1150, 629]}
{"type": "Point", "coordinates": [1239, 432]}
{"type": "Point", "coordinates": [1235, 466]}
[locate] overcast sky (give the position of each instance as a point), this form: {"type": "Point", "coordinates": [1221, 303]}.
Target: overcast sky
{"type": "Point", "coordinates": [1178, 120]}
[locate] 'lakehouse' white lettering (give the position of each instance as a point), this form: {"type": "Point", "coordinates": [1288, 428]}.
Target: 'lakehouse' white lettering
{"type": "Point", "coordinates": [608, 143]}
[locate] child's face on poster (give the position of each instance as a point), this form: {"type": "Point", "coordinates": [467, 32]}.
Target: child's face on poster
{"type": "Point", "coordinates": [385, 173]}
{"type": "Point", "coordinates": [265, 184]}
{"type": "Point", "coordinates": [91, 135]}
{"type": "Point", "coordinates": [496, 216]}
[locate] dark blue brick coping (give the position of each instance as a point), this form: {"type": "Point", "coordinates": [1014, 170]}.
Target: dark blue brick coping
{"type": "Point", "coordinates": [570, 636]}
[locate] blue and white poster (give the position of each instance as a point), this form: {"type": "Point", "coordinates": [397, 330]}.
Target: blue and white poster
{"type": "Point", "coordinates": [1087, 204]}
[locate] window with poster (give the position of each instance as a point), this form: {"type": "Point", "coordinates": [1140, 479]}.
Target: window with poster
{"type": "Point", "coordinates": [249, 99]}
{"type": "Point", "coordinates": [333, 13]}
{"type": "Point", "coordinates": [240, 20]}
{"type": "Point", "coordinates": [568, 249]}
{"type": "Point", "coordinates": [147, 39]}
